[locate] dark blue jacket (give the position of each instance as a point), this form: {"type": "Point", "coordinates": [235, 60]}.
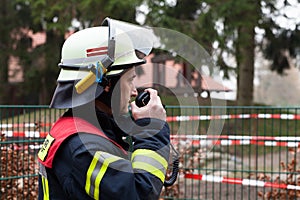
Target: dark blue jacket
{"type": "Point", "coordinates": [89, 166]}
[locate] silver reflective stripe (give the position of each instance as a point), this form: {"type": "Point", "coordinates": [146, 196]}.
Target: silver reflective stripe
{"type": "Point", "coordinates": [42, 170]}
{"type": "Point", "coordinates": [150, 161]}
{"type": "Point", "coordinates": [96, 172]}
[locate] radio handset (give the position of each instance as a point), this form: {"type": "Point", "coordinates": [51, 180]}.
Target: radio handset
{"type": "Point", "coordinates": [141, 100]}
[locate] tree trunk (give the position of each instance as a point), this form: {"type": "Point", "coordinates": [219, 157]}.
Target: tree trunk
{"type": "Point", "coordinates": [246, 67]}
{"type": "Point", "coordinates": [4, 52]}
{"type": "Point", "coordinates": [50, 69]}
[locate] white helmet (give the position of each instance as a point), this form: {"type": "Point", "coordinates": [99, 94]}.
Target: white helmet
{"type": "Point", "coordinates": [93, 53]}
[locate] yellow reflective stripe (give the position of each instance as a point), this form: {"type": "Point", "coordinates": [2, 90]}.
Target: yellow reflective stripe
{"type": "Point", "coordinates": [151, 154]}
{"type": "Point", "coordinates": [45, 188]}
{"type": "Point", "coordinates": [149, 168]}
{"type": "Point", "coordinates": [90, 172]}
{"type": "Point", "coordinates": [102, 172]}
{"type": "Point", "coordinates": [101, 160]}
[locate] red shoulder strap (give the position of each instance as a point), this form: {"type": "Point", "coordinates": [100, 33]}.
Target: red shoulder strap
{"type": "Point", "coordinates": [61, 130]}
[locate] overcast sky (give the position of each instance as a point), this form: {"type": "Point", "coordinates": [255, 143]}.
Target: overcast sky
{"type": "Point", "coordinates": [291, 12]}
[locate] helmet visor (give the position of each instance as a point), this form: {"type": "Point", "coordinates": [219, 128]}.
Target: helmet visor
{"type": "Point", "coordinates": [143, 38]}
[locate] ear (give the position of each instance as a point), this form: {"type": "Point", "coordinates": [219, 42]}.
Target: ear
{"type": "Point", "coordinates": [107, 85]}
{"type": "Point", "coordinates": [107, 88]}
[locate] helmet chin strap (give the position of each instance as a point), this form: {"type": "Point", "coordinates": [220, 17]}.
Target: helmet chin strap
{"type": "Point", "coordinates": [95, 75]}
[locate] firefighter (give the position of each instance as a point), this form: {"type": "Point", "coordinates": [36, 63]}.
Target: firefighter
{"type": "Point", "coordinates": [97, 149]}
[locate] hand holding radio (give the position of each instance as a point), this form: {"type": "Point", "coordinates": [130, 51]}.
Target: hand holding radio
{"type": "Point", "coordinates": [142, 100]}
{"type": "Point", "coordinates": [148, 105]}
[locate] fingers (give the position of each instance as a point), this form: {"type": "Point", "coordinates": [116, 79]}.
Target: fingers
{"type": "Point", "coordinates": [133, 106]}
{"type": "Point", "coordinates": [151, 91]}
{"type": "Point", "coordinates": [154, 108]}
{"type": "Point", "coordinates": [154, 98]}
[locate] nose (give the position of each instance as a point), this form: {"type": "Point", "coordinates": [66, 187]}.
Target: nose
{"type": "Point", "coordinates": [134, 92]}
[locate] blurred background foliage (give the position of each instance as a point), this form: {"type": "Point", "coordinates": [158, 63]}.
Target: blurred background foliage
{"type": "Point", "coordinates": [226, 29]}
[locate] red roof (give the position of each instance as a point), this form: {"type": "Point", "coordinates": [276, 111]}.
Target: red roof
{"type": "Point", "coordinates": [209, 84]}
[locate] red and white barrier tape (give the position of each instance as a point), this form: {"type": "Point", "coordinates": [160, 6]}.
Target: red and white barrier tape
{"type": "Point", "coordinates": [182, 118]}
{"type": "Point", "coordinates": [241, 142]}
{"type": "Point", "coordinates": [227, 140]}
{"type": "Point", "coordinates": [237, 137]}
{"type": "Point", "coordinates": [238, 116]}
{"type": "Point", "coordinates": [25, 125]}
{"type": "Point", "coordinates": [244, 182]}
{"type": "Point", "coordinates": [203, 140]}
{"type": "Point", "coordinates": [29, 134]}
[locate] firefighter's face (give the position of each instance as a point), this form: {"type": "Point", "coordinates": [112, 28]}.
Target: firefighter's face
{"type": "Point", "coordinates": [127, 88]}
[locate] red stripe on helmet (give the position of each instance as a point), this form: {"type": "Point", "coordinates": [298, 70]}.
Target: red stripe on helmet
{"type": "Point", "coordinates": [96, 49]}
{"type": "Point", "coordinates": [96, 53]}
